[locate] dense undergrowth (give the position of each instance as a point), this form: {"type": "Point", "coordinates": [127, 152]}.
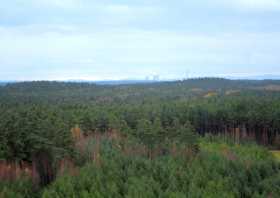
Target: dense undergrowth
{"type": "Point", "coordinates": [220, 169]}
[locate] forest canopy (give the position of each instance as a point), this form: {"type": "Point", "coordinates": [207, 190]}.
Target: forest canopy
{"type": "Point", "coordinates": [191, 138]}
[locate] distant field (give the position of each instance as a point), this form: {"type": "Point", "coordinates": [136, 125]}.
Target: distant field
{"type": "Point", "coordinates": [271, 87]}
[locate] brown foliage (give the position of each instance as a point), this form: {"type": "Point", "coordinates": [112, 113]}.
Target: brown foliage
{"type": "Point", "coordinates": [229, 154]}
{"type": "Point", "coordinates": [11, 171]}
{"type": "Point", "coordinates": [66, 165]}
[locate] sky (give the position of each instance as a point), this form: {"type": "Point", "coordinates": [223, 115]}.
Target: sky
{"type": "Point", "coordinates": [134, 39]}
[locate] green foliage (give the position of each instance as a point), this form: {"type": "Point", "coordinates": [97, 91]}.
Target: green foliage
{"type": "Point", "coordinates": [165, 118]}
{"type": "Point", "coordinates": [27, 130]}
{"type": "Point", "coordinates": [21, 188]}
{"type": "Point", "coordinates": [212, 172]}
{"type": "Point", "coordinates": [145, 132]}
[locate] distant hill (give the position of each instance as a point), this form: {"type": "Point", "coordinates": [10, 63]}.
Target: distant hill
{"type": "Point", "coordinates": [138, 81]}
{"type": "Point", "coordinates": [256, 77]}
{"type": "Point", "coordinates": [134, 91]}
{"type": "Point", "coordinates": [3, 83]}
{"type": "Point", "coordinates": [114, 82]}
{"type": "Point", "coordinates": [124, 82]}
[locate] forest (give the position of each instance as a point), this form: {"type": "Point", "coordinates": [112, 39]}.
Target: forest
{"type": "Point", "coordinates": [204, 137]}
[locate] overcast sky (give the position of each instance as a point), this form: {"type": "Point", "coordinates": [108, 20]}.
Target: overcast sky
{"type": "Point", "coordinates": [120, 39]}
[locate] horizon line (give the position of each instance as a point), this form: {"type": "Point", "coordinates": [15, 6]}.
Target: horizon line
{"type": "Point", "coordinates": [253, 77]}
